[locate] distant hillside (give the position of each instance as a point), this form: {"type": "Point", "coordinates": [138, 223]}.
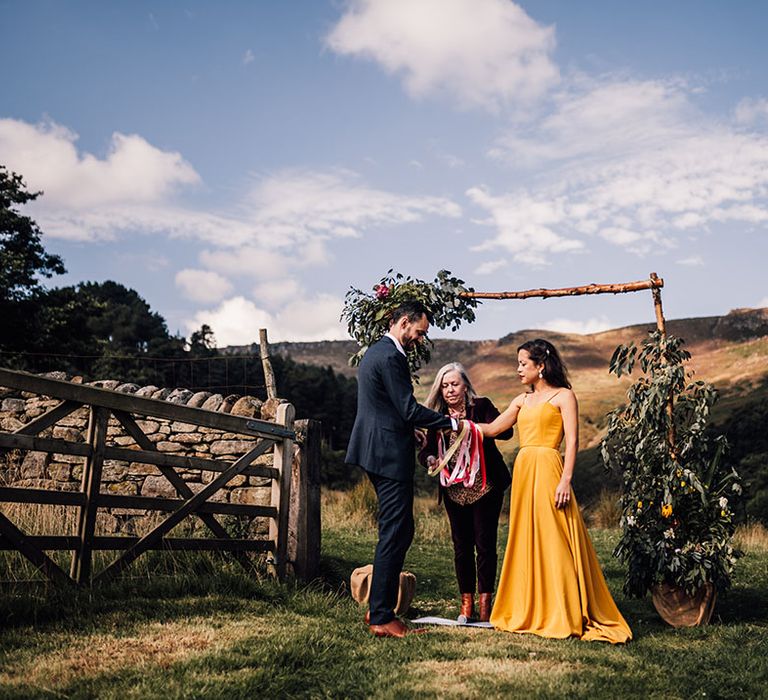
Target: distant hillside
{"type": "Point", "coordinates": [730, 351]}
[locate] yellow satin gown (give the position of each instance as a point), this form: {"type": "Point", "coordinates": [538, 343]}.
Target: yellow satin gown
{"type": "Point", "coordinates": [551, 583]}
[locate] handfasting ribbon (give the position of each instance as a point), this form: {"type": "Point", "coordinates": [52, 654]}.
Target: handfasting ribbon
{"type": "Point", "coordinates": [470, 459]}
{"type": "Point", "coordinates": [441, 464]}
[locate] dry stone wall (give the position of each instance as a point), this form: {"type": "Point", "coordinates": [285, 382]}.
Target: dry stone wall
{"type": "Point", "coordinates": [64, 472]}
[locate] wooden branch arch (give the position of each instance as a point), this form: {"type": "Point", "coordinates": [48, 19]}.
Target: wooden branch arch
{"type": "Point", "coordinates": [654, 283]}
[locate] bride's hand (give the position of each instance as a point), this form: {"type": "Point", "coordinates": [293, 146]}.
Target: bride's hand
{"type": "Point", "coordinates": [562, 494]}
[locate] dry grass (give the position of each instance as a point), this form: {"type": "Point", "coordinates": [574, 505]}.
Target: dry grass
{"type": "Point", "coordinates": [153, 645]}
{"type": "Point", "coordinates": [752, 537]}
{"type": "Point", "coordinates": [605, 513]}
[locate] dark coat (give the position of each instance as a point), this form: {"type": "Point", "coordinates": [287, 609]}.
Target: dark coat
{"type": "Point", "coordinates": [382, 440]}
{"type": "Point", "coordinates": [481, 411]}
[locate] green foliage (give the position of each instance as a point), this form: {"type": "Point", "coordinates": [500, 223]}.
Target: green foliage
{"type": "Point", "coordinates": [677, 500]}
{"type": "Point", "coordinates": [368, 315]}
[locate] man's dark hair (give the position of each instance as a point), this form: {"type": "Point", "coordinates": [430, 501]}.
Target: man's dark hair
{"type": "Point", "coordinates": [414, 310]}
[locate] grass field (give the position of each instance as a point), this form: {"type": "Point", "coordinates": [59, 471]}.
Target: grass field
{"type": "Point", "coordinates": [207, 632]}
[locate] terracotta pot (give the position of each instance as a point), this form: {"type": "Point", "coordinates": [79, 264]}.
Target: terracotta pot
{"type": "Point", "coordinates": [679, 609]}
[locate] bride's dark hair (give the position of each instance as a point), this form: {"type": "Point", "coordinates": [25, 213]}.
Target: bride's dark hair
{"type": "Point", "coordinates": [542, 352]}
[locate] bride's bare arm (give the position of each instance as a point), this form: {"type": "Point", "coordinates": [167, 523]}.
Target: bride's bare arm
{"type": "Point", "coordinates": [504, 421]}
{"type": "Point", "coordinates": [569, 409]}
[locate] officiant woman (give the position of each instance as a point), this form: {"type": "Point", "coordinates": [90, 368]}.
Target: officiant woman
{"type": "Point", "coordinates": [472, 512]}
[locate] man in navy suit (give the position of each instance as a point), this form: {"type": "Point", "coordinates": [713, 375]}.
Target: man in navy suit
{"type": "Point", "coordinates": [382, 443]}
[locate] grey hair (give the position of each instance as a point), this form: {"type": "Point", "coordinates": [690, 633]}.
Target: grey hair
{"type": "Point", "coordinates": [435, 400]}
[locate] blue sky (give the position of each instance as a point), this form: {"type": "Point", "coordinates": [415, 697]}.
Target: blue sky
{"type": "Point", "coordinates": [242, 164]}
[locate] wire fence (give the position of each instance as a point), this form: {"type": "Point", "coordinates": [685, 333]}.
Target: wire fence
{"type": "Point", "coordinates": [222, 374]}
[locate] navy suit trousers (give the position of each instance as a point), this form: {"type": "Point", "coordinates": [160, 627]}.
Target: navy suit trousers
{"type": "Point", "coordinates": [396, 529]}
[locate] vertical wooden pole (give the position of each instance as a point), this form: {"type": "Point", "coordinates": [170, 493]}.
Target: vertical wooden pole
{"type": "Point", "coordinates": [269, 375]}
{"type": "Point", "coordinates": [304, 512]}
{"type": "Point", "coordinates": [661, 325]}
{"type": "Point", "coordinates": [281, 489]}
{"type": "Point", "coordinates": [91, 482]}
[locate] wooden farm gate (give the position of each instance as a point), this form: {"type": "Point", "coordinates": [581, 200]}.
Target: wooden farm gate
{"type": "Point", "coordinates": [102, 403]}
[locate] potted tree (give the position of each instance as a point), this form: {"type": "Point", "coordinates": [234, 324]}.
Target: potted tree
{"type": "Point", "coordinates": [678, 490]}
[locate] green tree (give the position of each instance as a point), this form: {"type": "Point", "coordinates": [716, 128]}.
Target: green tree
{"type": "Point", "coordinates": [23, 261]}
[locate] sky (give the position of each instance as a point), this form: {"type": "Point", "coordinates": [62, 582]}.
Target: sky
{"type": "Point", "coordinates": [244, 163]}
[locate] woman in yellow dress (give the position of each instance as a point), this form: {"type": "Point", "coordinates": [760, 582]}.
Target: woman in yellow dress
{"type": "Point", "coordinates": [551, 583]}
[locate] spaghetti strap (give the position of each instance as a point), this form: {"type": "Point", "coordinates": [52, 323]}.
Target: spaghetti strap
{"type": "Point", "coordinates": [553, 396]}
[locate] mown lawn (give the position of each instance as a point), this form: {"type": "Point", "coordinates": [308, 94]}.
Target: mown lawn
{"type": "Point", "coordinates": [211, 633]}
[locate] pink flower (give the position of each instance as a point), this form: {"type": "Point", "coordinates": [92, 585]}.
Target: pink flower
{"type": "Point", "coordinates": [382, 291]}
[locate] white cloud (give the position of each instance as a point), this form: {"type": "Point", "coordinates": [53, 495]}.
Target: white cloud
{"type": "Point", "coordinates": [236, 321]}
{"type": "Point", "coordinates": [133, 171]}
{"type": "Point", "coordinates": [525, 227]}
{"type": "Point", "coordinates": [567, 325]}
{"type": "Point", "coordinates": [763, 303]}
{"type": "Point", "coordinates": [490, 266]}
{"type": "Point", "coordinates": [275, 292]}
{"type": "Point", "coordinates": [692, 261]}
{"type": "Point", "coordinates": [248, 57]}
{"type": "Point", "coordinates": [484, 53]}
{"type": "Point", "coordinates": [203, 285]}
{"type": "Point", "coordinates": [633, 163]}
{"type": "Point", "coordinates": [750, 111]}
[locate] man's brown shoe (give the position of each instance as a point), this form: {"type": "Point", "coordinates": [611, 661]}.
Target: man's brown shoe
{"type": "Point", "coordinates": [393, 628]}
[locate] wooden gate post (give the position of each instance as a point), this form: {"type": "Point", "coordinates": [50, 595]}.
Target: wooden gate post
{"type": "Point", "coordinates": [281, 489]}
{"type": "Point", "coordinates": [91, 483]}
{"type": "Point", "coordinates": [304, 513]}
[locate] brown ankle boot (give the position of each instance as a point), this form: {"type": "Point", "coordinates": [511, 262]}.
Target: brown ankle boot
{"type": "Point", "coordinates": [467, 609]}
{"type": "Point", "coordinates": [486, 604]}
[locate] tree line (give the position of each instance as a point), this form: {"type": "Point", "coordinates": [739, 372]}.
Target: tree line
{"type": "Point", "coordinates": [105, 330]}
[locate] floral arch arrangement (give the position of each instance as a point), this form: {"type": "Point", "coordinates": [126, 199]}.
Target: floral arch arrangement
{"type": "Point", "coordinates": [367, 314]}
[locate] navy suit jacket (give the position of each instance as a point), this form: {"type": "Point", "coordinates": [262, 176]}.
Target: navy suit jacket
{"type": "Point", "coordinates": [382, 440]}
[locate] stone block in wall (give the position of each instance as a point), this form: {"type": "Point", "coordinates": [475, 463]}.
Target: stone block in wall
{"type": "Point", "coordinates": [228, 402]}
{"type": "Point", "coordinates": [110, 384]}
{"type": "Point", "coordinates": [69, 459]}
{"type": "Point", "coordinates": [251, 496]}
{"type": "Point", "coordinates": [178, 427]}
{"type": "Point", "coordinates": [60, 471]}
{"type": "Point", "coordinates": [265, 460]}
{"type": "Point", "coordinates": [63, 432]}
{"type": "Point", "coordinates": [76, 419]}
{"type": "Point", "coordinates": [166, 446]}
{"type": "Point", "coordinates": [212, 403]}
{"type": "Point", "coordinates": [269, 408]}
{"type": "Point", "coordinates": [156, 437]}
{"type": "Point", "coordinates": [114, 431]}
{"type": "Point", "coordinates": [161, 394]}
{"type": "Point", "coordinates": [159, 487]}
{"type": "Point", "coordinates": [219, 497]}
{"type": "Point", "coordinates": [128, 388]}
{"type": "Point", "coordinates": [114, 470]}
{"type": "Point", "coordinates": [180, 396]}
{"type": "Point", "coordinates": [261, 482]}
{"type": "Point", "coordinates": [147, 391]}
{"type": "Point", "coordinates": [13, 405]}
{"type": "Point", "coordinates": [10, 424]}
{"type": "Point", "coordinates": [34, 464]}
{"type": "Point", "coordinates": [141, 469]}
{"type": "Point", "coordinates": [229, 447]}
{"type": "Point", "coordinates": [120, 488]}
{"type": "Point", "coordinates": [123, 440]}
{"type": "Point", "coordinates": [148, 426]}
{"type": "Point", "coordinates": [247, 406]}
{"type": "Point", "coordinates": [164, 429]}
{"type": "Point", "coordinates": [199, 399]}
{"type": "Point", "coordinates": [186, 438]}
{"type": "Point", "coordinates": [35, 412]}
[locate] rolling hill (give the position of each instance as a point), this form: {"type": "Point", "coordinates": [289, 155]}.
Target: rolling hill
{"type": "Point", "coordinates": [729, 351]}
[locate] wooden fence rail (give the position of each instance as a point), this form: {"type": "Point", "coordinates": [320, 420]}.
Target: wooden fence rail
{"type": "Point", "coordinates": [278, 436]}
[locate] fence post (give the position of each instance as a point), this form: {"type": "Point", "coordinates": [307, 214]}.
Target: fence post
{"type": "Point", "coordinates": [304, 512]}
{"type": "Point", "coordinates": [90, 486]}
{"type": "Point", "coordinates": [281, 489]}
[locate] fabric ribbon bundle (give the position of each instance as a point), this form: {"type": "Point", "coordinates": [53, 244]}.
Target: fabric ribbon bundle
{"type": "Point", "coordinates": [466, 454]}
